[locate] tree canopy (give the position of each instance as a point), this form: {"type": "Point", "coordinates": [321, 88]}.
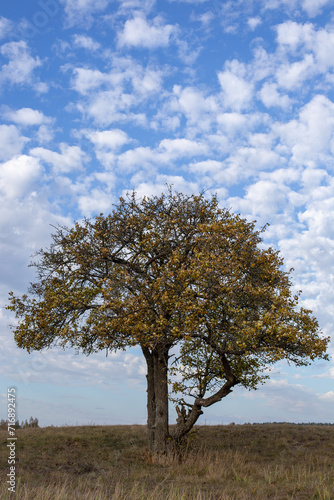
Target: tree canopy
{"type": "Point", "coordinates": [166, 272]}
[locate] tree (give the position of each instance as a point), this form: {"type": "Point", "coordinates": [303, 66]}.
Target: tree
{"type": "Point", "coordinates": [182, 279]}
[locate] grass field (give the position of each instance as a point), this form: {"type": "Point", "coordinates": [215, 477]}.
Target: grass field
{"type": "Point", "coordinates": [270, 461]}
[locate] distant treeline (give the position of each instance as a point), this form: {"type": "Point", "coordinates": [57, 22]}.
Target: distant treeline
{"type": "Point", "coordinates": [291, 423]}
{"type": "Point", "coordinates": [33, 422]}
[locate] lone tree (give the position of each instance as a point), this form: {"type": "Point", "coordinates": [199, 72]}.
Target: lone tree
{"type": "Point", "coordinates": [186, 281]}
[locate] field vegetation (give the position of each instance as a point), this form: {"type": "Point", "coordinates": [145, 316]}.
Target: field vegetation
{"type": "Point", "coordinates": [258, 461]}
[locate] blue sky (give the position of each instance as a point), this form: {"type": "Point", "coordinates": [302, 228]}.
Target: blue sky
{"type": "Point", "coordinates": [99, 97]}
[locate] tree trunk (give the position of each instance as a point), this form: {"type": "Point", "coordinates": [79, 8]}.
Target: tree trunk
{"type": "Point", "coordinates": [151, 405]}
{"type": "Point", "coordinates": [160, 360]}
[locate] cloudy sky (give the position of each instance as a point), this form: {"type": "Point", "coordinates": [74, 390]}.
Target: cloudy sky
{"type": "Point", "coordinates": [99, 97]}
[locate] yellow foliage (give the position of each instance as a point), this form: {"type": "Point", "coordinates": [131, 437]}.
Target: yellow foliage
{"type": "Point", "coordinates": [166, 270]}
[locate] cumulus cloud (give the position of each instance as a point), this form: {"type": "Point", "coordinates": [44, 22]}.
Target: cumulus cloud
{"type": "Point", "coordinates": [198, 108]}
{"type": "Point", "coordinates": [85, 42]}
{"type": "Point", "coordinates": [263, 198]}
{"type": "Point", "coordinates": [95, 202]}
{"type": "Point", "coordinates": [306, 41]}
{"type": "Point", "coordinates": [237, 91]}
{"type": "Point", "coordinates": [167, 152]}
{"type": "Point", "coordinates": [108, 139]}
{"type": "Point", "coordinates": [292, 75]}
{"type": "Point", "coordinates": [26, 116]}
{"type": "Point", "coordinates": [106, 143]}
{"type": "Point", "coordinates": [12, 142]}
{"type": "Point", "coordinates": [310, 138]}
{"type": "Point", "coordinates": [271, 97]}
{"type": "Point", "coordinates": [138, 32]}
{"type": "Point", "coordinates": [254, 22]}
{"type": "Point", "coordinates": [314, 7]}
{"type": "Point", "coordinates": [84, 80]}
{"type": "Point", "coordinates": [44, 134]}
{"type": "Point", "coordinates": [70, 157]}
{"type": "Point", "coordinates": [144, 80]}
{"type": "Point", "coordinates": [21, 65]}
{"type": "Point", "coordinates": [172, 149]}
{"type": "Point", "coordinates": [18, 175]}
{"type": "Point", "coordinates": [138, 157]}
{"type": "Point", "coordinates": [111, 106]}
{"type": "Point", "coordinates": [328, 396]}
{"type": "Point", "coordinates": [157, 187]}
{"type": "Point", "coordinates": [142, 5]}
{"type": "Point", "coordinates": [78, 11]}
{"type": "Point", "coordinates": [293, 35]}
{"type": "Point", "coordinates": [110, 97]}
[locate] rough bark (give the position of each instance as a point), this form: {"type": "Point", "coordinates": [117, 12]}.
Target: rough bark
{"type": "Point", "coordinates": [151, 405]}
{"type": "Point", "coordinates": [160, 359]}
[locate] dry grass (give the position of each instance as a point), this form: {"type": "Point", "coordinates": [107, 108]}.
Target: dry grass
{"type": "Point", "coordinates": [272, 461]}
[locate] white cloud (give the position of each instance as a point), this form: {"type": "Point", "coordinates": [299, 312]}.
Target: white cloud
{"type": "Point", "coordinates": [172, 149]}
{"type": "Point", "coordinates": [57, 367]}
{"type": "Point", "coordinates": [168, 151]}
{"type": "Point", "coordinates": [127, 85]}
{"type": "Point", "coordinates": [95, 202]}
{"type": "Point", "coordinates": [18, 175]}
{"type": "Point", "coordinates": [70, 158]}
{"type": "Point", "coordinates": [108, 139]}
{"type": "Point", "coordinates": [12, 142]}
{"type": "Point", "coordinates": [310, 138]}
{"type": "Point", "coordinates": [197, 108]}
{"type": "Point", "coordinates": [142, 5]}
{"type": "Point", "coordinates": [323, 48]}
{"type": "Point", "coordinates": [212, 167]}
{"type": "Point", "coordinates": [144, 80]}
{"type": "Point", "coordinates": [254, 22]}
{"type": "Point", "coordinates": [139, 157]}
{"type": "Point", "coordinates": [292, 75]}
{"type": "Point", "coordinates": [232, 123]}
{"type": "Point", "coordinates": [147, 82]}
{"type": "Point", "coordinates": [85, 42]}
{"type": "Point", "coordinates": [304, 39]}
{"type": "Point", "coordinates": [44, 134]}
{"type": "Point", "coordinates": [86, 80]}
{"type": "Point", "coordinates": [293, 402]}
{"type": "Point", "coordinates": [138, 32]}
{"type": "Point", "coordinates": [189, 1]}
{"type": "Point", "coordinates": [314, 7]}
{"type": "Point", "coordinates": [293, 35]}
{"type": "Point", "coordinates": [311, 7]}
{"type": "Point", "coordinates": [78, 11]}
{"type": "Point", "coordinates": [159, 186]}
{"type": "Point", "coordinates": [21, 64]}
{"type": "Point", "coordinates": [237, 91]}
{"type": "Point", "coordinates": [263, 198]}
{"type": "Point", "coordinates": [318, 219]}
{"type": "Point", "coordinates": [26, 225]}
{"type": "Point", "coordinates": [26, 116]}
{"type": "Point", "coordinates": [328, 396]}
{"type": "Point", "coordinates": [271, 97]}
{"type": "Point", "coordinates": [213, 173]}
{"type": "Point", "coordinates": [106, 143]}
{"type": "Point", "coordinates": [5, 27]}
{"type": "Point", "coordinates": [111, 106]}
